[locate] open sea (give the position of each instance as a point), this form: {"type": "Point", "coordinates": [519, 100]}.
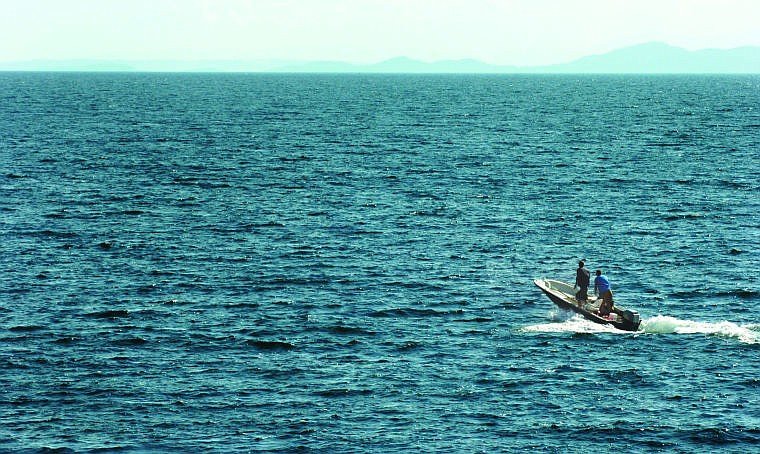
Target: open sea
{"type": "Point", "coordinates": [344, 263]}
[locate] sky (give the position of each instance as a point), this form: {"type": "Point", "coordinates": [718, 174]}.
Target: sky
{"type": "Point", "coordinates": [503, 32]}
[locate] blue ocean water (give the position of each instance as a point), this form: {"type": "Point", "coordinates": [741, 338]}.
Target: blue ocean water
{"type": "Point", "coordinates": [344, 263]}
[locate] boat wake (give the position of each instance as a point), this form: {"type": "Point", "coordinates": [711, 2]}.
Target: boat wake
{"type": "Point", "coordinates": [663, 324]}
{"type": "Point", "coordinates": [564, 321]}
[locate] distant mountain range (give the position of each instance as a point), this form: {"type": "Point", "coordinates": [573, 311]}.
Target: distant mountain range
{"type": "Point", "coordinates": [650, 58]}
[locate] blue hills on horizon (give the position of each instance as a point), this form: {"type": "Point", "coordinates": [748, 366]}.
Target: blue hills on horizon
{"type": "Point", "coordinates": [648, 58]}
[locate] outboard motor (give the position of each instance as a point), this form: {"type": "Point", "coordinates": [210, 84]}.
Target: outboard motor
{"type": "Point", "coordinates": [631, 317]}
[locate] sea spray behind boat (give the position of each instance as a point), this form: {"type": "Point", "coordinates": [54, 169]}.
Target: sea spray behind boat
{"type": "Point", "coordinates": [663, 324]}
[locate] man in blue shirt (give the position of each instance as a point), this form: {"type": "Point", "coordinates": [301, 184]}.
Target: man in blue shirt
{"type": "Point", "coordinates": [603, 289]}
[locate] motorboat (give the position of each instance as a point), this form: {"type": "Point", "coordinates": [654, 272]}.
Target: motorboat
{"type": "Point", "coordinates": [563, 295]}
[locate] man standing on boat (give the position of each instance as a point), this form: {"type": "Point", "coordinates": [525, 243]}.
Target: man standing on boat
{"type": "Point", "coordinates": [582, 278]}
{"type": "Point", "coordinates": [602, 288]}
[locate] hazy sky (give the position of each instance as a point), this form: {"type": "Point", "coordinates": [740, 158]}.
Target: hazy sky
{"type": "Point", "coordinates": [520, 32]}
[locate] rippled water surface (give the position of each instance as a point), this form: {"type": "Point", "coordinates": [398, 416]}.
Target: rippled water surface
{"type": "Point", "coordinates": [344, 263]}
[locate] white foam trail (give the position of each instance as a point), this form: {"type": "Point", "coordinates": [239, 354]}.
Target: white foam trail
{"type": "Point", "coordinates": [573, 323]}
{"type": "Point", "coordinates": [663, 324]}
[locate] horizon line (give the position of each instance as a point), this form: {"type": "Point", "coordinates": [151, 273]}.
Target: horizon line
{"type": "Point", "coordinates": [652, 53]}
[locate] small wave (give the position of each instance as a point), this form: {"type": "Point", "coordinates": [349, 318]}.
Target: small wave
{"type": "Point", "coordinates": [341, 329]}
{"type": "Point", "coordinates": [664, 144]}
{"type": "Point", "coordinates": [51, 234]}
{"type": "Point", "coordinates": [67, 340]}
{"type": "Point", "coordinates": [724, 436]}
{"type": "Point", "coordinates": [130, 342]}
{"type": "Point", "coordinates": [408, 346]}
{"type": "Point", "coordinates": [475, 320]}
{"type": "Point", "coordinates": [414, 285]}
{"type": "Point", "coordinates": [295, 158]}
{"type": "Point", "coordinates": [687, 216]}
{"type": "Point", "coordinates": [271, 345]}
{"type": "Point", "coordinates": [25, 328]}
{"type": "Point", "coordinates": [113, 314]}
{"type": "Point", "coordinates": [662, 324]}
{"type": "Point", "coordinates": [342, 392]}
{"type": "Point", "coordinates": [297, 281]}
{"type": "Point", "coordinates": [737, 185]}
{"type": "Point", "coordinates": [412, 312]}
{"type": "Point", "coordinates": [741, 293]}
